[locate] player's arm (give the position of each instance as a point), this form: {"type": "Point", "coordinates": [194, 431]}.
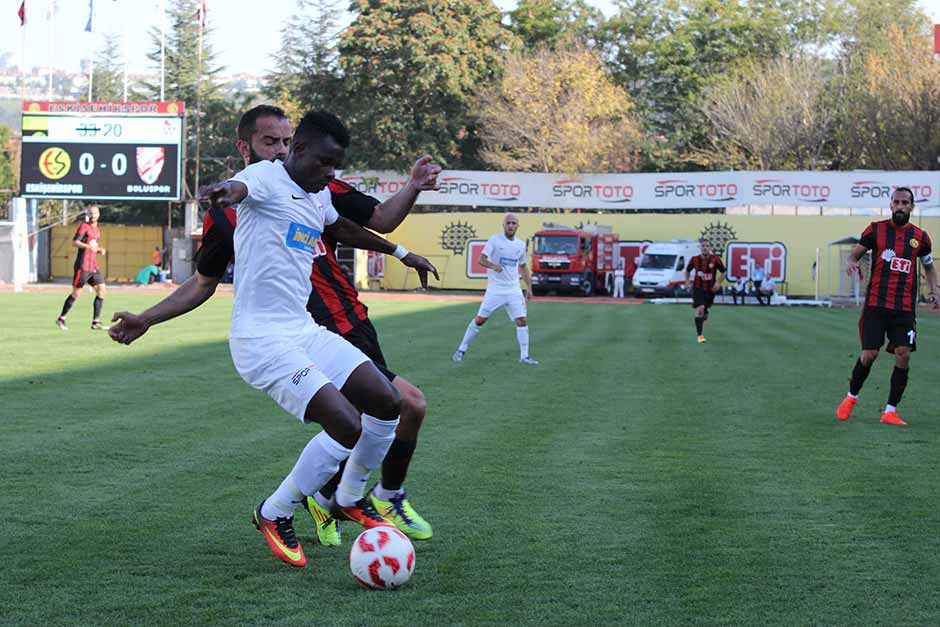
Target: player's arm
{"type": "Point", "coordinates": [688, 275]}
{"type": "Point", "coordinates": [720, 272]}
{"type": "Point", "coordinates": [527, 279]}
{"type": "Point", "coordinates": [227, 194]}
{"type": "Point", "coordinates": [77, 241]}
{"type": "Point", "coordinates": [349, 233]}
{"type": "Point", "coordinates": [930, 275]}
{"type": "Point", "coordinates": [193, 292]}
{"type": "Point", "coordinates": [851, 261]}
{"type": "Point", "coordinates": [486, 263]}
{"type": "Point", "coordinates": [391, 213]}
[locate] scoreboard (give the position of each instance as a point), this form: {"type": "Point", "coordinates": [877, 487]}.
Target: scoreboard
{"type": "Point", "coordinates": [102, 150]}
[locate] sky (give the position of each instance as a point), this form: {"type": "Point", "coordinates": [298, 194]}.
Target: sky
{"type": "Point", "coordinates": [235, 50]}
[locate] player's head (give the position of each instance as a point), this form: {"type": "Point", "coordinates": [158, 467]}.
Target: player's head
{"type": "Point", "coordinates": [510, 225]}
{"type": "Point", "coordinates": [706, 246]}
{"type": "Point", "coordinates": [263, 134]}
{"type": "Point", "coordinates": [902, 204]}
{"type": "Point", "coordinates": [93, 213]}
{"type": "Point", "coordinates": [318, 148]}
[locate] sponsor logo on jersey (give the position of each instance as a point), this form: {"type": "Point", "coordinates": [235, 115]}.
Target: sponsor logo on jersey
{"type": "Point", "coordinates": [302, 237]}
{"type": "Point", "coordinates": [506, 261]}
{"type": "Point", "coordinates": [900, 264]}
{"type": "Point", "coordinates": [914, 243]}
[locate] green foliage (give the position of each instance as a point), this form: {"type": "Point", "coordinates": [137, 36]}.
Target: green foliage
{"type": "Point", "coordinates": [108, 76]}
{"type": "Point", "coordinates": [8, 162]}
{"type": "Point", "coordinates": [412, 68]}
{"type": "Point", "coordinates": [548, 22]}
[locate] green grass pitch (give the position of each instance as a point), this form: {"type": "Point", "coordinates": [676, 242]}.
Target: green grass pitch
{"type": "Point", "coordinates": [633, 478]}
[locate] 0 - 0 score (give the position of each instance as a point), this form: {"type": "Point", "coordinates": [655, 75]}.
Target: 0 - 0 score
{"type": "Point", "coordinates": [86, 164]}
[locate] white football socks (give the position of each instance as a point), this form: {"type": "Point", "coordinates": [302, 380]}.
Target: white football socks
{"type": "Point", "coordinates": [318, 462]}
{"type": "Point", "coordinates": [522, 334]}
{"type": "Point", "coordinates": [472, 330]}
{"type": "Point", "coordinates": [386, 495]}
{"type": "Point", "coordinates": [376, 438]}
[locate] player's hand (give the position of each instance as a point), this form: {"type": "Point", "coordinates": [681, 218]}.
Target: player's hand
{"type": "Point", "coordinates": [716, 288]}
{"type": "Point", "coordinates": [526, 293]}
{"type": "Point", "coordinates": [422, 265]}
{"type": "Point", "coordinates": [496, 268]}
{"type": "Point", "coordinates": [424, 174]}
{"type": "Point", "coordinates": [934, 301]}
{"type": "Point", "coordinates": [218, 195]}
{"type": "Point", "coordinates": [129, 327]}
{"type": "Point", "coordinates": [101, 251]}
{"type": "Point", "coordinates": [688, 286]}
{"type": "Point", "coordinates": [851, 266]}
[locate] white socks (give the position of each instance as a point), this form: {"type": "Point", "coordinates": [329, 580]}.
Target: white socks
{"type": "Point", "coordinates": [318, 462]}
{"type": "Point", "coordinates": [522, 334]}
{"type": "Point", "coordinates": [472, 330]}
{"type": "Point", "coordinates": [889, 408]}
{"type": "Point", "coordinates": [386, 495]}
{"type": "Point", "coordinates": [376, 438]}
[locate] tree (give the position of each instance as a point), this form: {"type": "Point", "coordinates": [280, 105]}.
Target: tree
{"type": "Point", "coordinates": [108, 76]}
{"type": "Point", "coordinates": [189, 77]}
{"type": "Point", "coordinates": [411, 68]}
{"type": "Point", "coordinates": [306, 74]}
{"type": "Point", "coordinates": [548, 22]}
{"type": "Point", "coordinates": [8, 165]}
{"type": "Point", "coordinates": [556, 111]}
{"type": "Point", "coordinates": [769, 116]}
{"type": "Point", "coordinates": [891, 118]}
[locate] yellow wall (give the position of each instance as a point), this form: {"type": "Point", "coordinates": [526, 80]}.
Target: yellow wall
{"type": "Point", "coordinates": [424, 234]}
{"type": "Point", "coordinates": [128, 248]}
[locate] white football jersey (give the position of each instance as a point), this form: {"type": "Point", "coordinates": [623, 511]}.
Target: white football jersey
{"type": "Point", "coordinates": [277, 238]}
{"type": "Point", "coordinates": [510, 254]}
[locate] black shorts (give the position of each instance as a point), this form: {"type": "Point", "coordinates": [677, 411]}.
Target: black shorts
{"type": "Point", "coordinates": [877, 322]}
{"type": "Point", "coordinates": [364, 337]}
{"type": "Point", "coordinates": [84, 276]}
{"type": "Point", "coordinates": [702, 297]}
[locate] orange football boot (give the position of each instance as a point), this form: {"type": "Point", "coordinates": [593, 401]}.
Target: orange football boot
{"type": "Point", "coordinates": [846, 407]}
{"type": "Point", "coordinates": [280, 536]}
{"type": "Point", "coordinates": [892, 418]}
{"type": "Point", "coordinates": [364, 513]}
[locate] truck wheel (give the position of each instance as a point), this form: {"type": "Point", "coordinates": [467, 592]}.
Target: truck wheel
{"type": "Point", "coordinates": [587, 284]}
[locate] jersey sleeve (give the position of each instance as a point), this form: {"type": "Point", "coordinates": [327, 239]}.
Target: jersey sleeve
{"type": "Point", "coordinates": [489, 248]}
{"type": "Point", "coordinates": [330, 216]}
{"type": "Point", "coordinates": [926, 250]}
{"type": "Point", "coordinates": [254, 177]}
{"type": "Point", "coordinates": [217, 250]}
{"type": "Point", "coordinates": [691, 265]}
{"type": "Point", "coordinates": [523, 254]}
{"type": "Point", "coordinates": [80, 232]}
{"type": "Point", "coordinates": [351, 203]}
{"type": "Point", "coordinates": [868, 237]}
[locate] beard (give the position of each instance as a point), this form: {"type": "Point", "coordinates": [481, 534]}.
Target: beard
{"type": "Point", "coordinates": [900, 218]}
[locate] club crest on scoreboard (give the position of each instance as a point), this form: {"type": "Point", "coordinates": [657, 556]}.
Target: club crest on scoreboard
{"type": "Point", "coordinates": [150, 161]}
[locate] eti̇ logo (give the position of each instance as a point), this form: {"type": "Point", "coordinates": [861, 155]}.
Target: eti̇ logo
{"type": "Point", "coordinates": [54, 163]}
{"type": "Point", "coordinates": [302, 237]}
{"type": "Point", "coordinates": [743, 257]}
{"type": "Point", "coordinates": [900, 264]}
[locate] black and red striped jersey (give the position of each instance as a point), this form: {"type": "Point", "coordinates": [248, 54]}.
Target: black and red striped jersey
{"type": "Point", "coordinates": [334, 300]}
{"type": "Point", "coordinates": [705, 268]}
{"type": "Point", "coordinates": [894, 253]}
{"type": "Point", "coordinates": [86, 260]}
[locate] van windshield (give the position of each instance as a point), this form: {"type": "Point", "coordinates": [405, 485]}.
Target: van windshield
{"type": "Point", "coordinates": [657, 262]}
{"type": "Point", "coordinates": [556, 245]}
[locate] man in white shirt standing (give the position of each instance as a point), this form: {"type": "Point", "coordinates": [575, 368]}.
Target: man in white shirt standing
{"type": "Point", "coordinates": [619, 274]}
{"type": "Point", "coordinates": [504, 258]}
{"type": "Point", "coordinates": [276, 346]}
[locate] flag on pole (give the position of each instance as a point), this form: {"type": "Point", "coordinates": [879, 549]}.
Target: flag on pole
{"type": "Point", "coordinates": [91, 15]}
{"type": "Point", "coordinates": [22, 13]}
{"type": "Point", "coordinates": [201, 14]}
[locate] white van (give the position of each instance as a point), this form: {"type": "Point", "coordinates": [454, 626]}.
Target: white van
{"type": "Point", "coordinates": [661, 269]}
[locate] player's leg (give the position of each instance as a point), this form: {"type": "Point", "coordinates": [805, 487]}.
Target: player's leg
{"type": "Point", "coordinates": [284, 370]}
{"type": "Point", "coordinates": [101, 290]}
{"type": "Point", "coordinates": [698, 303]}
{"type": "Point", "coordinates": [78, 280]}
{"type": "Point", "coordinates": [516, 310]}
{"type": "Point", "coordinates": [389, 495]}
{"type": "Point", "coordinates": [490, 304]}
{"type": "Point", "coordinates": [903, 335]}
{"type": "Point", "coordinates": [871, 332]}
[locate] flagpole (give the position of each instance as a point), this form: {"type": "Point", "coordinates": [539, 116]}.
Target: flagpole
{"type": "Point", "coordinates": [123, 13]}
{"type": "Point", "coordinates": [162, 50]}
{"type": "Point", "coordinates": [51, 12]}
{"type": "Point", "coordinates": [23, 57]}
{"type": "Point", "coordinates": [202, 21]}
{"type": "Point", "coordinates": [91, 55]}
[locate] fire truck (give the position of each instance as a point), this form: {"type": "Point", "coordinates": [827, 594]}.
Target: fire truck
{"type": "Point", "coordinates": [573, 259]}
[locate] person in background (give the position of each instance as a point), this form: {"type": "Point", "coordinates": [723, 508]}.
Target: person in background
{"type": "Point", "coordinates": [758, 274]}
{"type": "Point", "coordinates": [86, 268]}
{"type": "Point", "coordinates": [739, 289]}
{"type": "Point", "coordinates": [618, 280]}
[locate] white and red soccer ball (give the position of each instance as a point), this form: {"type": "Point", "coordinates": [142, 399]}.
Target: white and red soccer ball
{"type": "Point", "coordinates": [382, 558]}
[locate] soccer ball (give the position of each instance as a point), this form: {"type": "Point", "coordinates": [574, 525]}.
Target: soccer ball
{"type": "Point", "coordinates": [382, 558]}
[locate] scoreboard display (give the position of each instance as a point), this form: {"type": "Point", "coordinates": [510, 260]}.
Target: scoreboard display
{"type": "Point", "coordinates": [102, 150]}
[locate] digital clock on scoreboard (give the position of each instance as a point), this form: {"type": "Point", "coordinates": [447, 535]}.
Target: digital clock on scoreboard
{"type": "Point", "coordinates": [102, 150]}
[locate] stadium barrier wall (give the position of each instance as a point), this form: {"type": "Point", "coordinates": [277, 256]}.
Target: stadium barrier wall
{"type": "Point", "coordinates": [128, 248]}
{"type": "Point", "coordinates": [446, 238]}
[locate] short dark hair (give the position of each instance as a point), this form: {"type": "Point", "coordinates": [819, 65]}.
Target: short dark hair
{"type": "Point", "coordinates": [248, 123]}
{"type": "Point", "coordinates": [904, 189]}
{"type": "Point", "coordinates": [317, 124]}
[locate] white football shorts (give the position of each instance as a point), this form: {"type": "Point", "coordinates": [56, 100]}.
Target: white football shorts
{"type": "Point", "coordinates": [292, 369]}
{"type": "Point", "coordinates": [513, 301]}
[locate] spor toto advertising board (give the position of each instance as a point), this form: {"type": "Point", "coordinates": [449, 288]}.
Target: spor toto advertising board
{"type": "Point", "coordinates": [102, 150]}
